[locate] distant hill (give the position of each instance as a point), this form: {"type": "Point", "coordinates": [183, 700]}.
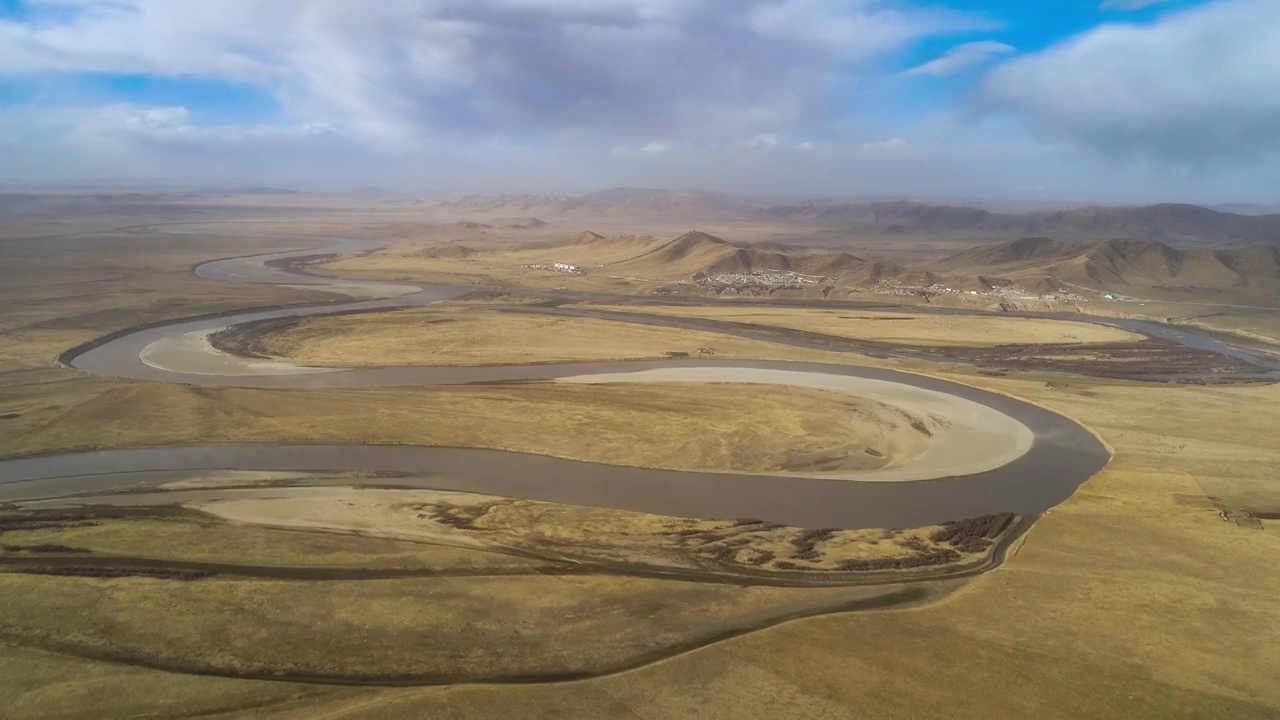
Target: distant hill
{"type": "Point", "coordinates": [1036, 264]}
{"type": "Point", "coordinates": [516, 223]}
{"type": "Point", "coordinates": [1177, 224]}
{"type": "Point", "coordinates": [1117, 264]}
{"type": "Point", "coordinates": [698, 253]}
{"type": "Point", "coordinates": [450, 252]}
{"type": "Point", "coordinates": [1168, 222]}
{"type": "Point", "coordinates": [642, 201]}
{"type": "Point", "coordinates": [638, 202]}
{"type": "Point", "coordinates": [504, 204]}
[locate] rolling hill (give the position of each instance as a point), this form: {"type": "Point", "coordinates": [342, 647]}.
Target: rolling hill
{"type": "Point", "coordinates": [1176, 223]}
{"type": "Point", "coordinates": [628, 202]}
{"type": "Point", "coordinates": [1118, 265]}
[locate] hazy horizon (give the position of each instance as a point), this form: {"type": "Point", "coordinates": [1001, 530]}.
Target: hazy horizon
{"type": "Point", "coordinates": [1115, 102]}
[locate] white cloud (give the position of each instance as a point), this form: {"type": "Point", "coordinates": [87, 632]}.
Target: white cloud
{"type": "Point", "coordinates": [763, 141]}
{"type": "Point", "coordinates": [1198, 85]}
{"type": "Point", "coordinates": [962, 57]}
{"type": "Point", "coordinates": [806, 146]}
{"type": "Point", "coordinates": [173, 126]}
{"type": "Point", "coordinates": [1130, 4]}
{"type": "Point", "coordinates": [658, 147]}
{"type": "Point", "coordinates": [404, 72]}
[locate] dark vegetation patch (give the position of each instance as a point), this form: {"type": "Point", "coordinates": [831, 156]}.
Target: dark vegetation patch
{"type": "Point", "coordinates": [723, 553]}
{"type": "Point", "coordinates": [46, 521]}
{"type": "Point", "coordinates": [299, 264]}
{"type": "Point", "coordinates": [915, 543]}
{"type": "Point", "coordinates": [89, 516]}
{"type": "Point", "coordinates": [117, 572]}
{"type": "Point", "coordinates": [1152, 358]}
{"type": "Point", "coordinates": [45, 548]}
{"type": "Point", "coordinates": [250, 340]}
{"type": "Point", "coordinates": [974, 534]}
{"type": "Point", "coordinates": [458, 517]}
{"type": "Point", "coordinates": [806, 542]}
{"type": "Point", "coordinates": [929, 558]}
{"type": "Point", "coordinates": [757, 525]}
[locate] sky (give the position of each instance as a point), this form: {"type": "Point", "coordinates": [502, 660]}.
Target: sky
{"type": "Point", "coordinates": [1074, 100]}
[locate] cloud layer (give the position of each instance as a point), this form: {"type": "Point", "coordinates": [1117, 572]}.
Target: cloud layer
{"type": "Point", "coordinates": [1201, 85]}
{"type": "Point", "coordinates": [396, 71]}
{"type": "Point", "coordinates": [962, 57]}
{"type": "Point", "coordinates": [822, 96]}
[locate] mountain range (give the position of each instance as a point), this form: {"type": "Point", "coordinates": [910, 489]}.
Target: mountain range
{"type": "Point", "coordinates": [1034, 264]}
{"type": "Point", "coordinates": [1177, 224]}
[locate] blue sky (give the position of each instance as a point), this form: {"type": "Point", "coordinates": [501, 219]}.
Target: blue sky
{"type": "Point", "coordinates": [1107, 100]}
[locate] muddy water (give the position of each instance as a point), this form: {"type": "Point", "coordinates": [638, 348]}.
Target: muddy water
{"type": "Point", "coordinates": [1061, 456]}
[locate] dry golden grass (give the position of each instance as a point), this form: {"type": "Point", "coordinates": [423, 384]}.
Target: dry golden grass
{"type": "Point", "coordinates": [58, 293]}
{"type": "Point", "coordinates": [1131, 600]}
{"type": "Point", "coordinates": [458, 336]}
{"type": "Point", "coordinates": [543, 529]}
{"type": "Point", "coordinates": [503, 268]}
{"type": "Point", "coordinates": [676, 426]}
{"type": "Point", "coordinates": [446, 627]}
{"type": "Point", "coordinates": [41, 685]}
{"type": "Point", "coordinates": [909, 329]}
{"type": "Point", "coordinates": [212, 541]}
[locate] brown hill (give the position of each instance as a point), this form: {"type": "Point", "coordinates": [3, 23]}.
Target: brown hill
{"type": "Point", "coordinates": [447, 251]}
{"type": "Point", "coordinates": [695, 252]}
{"type": "Point", "coordinates": [698, 253]}
{"type": "Point", "coordinates": [586, 236]}
{"type": "Point", "coordinates": [518, 223]}
{"type": "Point", "coordinates": [639, 202]}
{"type": "Point", "coordinates": [503, 204]}
{"type": "Point", "coordinates": [1168, 222]}
{"type": "Point", "coordinates": [1118, 264]}
{"type": "Point", "coordinates": [645, 201]}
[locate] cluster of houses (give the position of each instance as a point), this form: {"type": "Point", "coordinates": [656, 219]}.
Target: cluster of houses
{"type": "Point", "coordinates": [558, 267]}
{"type": "Point", "coordinates": [760, 278]}
{"type": "Point", "coordinates": [1008, 292]}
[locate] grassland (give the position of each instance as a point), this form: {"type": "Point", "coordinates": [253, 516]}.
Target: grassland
{"type": "Point", "coordinates": [206, 540]}
{"type": "Point", "coordinates": [42, 685]}
{"type": "Point", "coordinates": [474, 627]}
{"type": "Point", "coordinates": [410, 528]}
{"type": "Point", "coordinates": [477, 336]}
{"type": "Point", "coordinates": [59, 294]}
{"type": "Point", "coordinates": [676, 426]}
{"type": "Point", "coordinates": [907, 328]}
{"type": "Point", "coordinates": [1131, 600]}
{"type": "Point", "coordinates": [1134, 599]}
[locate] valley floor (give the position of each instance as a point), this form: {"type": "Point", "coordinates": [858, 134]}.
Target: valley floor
{"type": "Point", "coordinates": [1145, 595]}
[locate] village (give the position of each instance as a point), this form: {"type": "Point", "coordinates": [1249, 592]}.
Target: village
{"type": "Point", "coordinates": [760, 278]}
{"type": "Point", "coordinates": [1007, 292]}
{"type": "Point", "coordinates": [558, 267]}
